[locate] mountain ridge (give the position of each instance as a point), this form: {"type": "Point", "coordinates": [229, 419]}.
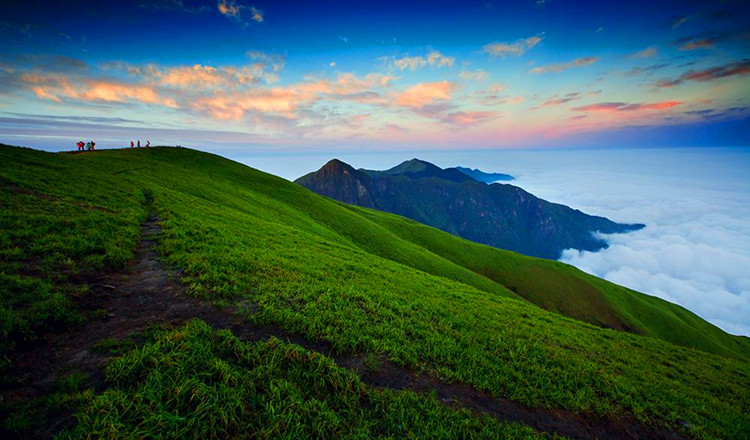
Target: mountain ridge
{"type": "Point", "coordinates": [500, 215]}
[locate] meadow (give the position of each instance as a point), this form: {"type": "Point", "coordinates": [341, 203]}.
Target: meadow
{"type": "Point", "coordinates": [363, 281]}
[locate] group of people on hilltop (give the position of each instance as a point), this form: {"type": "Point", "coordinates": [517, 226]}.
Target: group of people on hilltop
{"type": "Point", "coordinates": [148, 144]}
{"type": "Point", "coordinates": [87, 146]}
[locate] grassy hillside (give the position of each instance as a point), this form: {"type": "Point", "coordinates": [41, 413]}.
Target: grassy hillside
{"type": "Point", "coordinates": [562, 288]}
{"type": "Point", "coordinates": [363, 281]}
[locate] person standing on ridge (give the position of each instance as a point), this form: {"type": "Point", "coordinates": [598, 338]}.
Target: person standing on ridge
{"type": "Point", "coordinates": [139, 143]}
{"type": "Point", "coordinates": [148, 144]}
{"type": "Point", "coordinates": [80, 145]}
{"type": "Point", "coordinates": [93, 144]}
{"type": "Point", "coordinates": [88, 146]}
{"type": "Point", "coordinates": [132, 144]}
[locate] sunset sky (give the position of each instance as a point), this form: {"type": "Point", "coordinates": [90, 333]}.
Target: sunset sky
{"type": "Point", "coordinates": [327, 76]}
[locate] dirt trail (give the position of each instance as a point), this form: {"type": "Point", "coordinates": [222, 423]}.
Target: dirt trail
{"type": "Point", "coordinates": [148, 293]}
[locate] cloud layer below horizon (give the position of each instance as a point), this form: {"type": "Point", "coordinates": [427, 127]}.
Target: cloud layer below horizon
{"type": "Point", "coordinates": [695, 249]}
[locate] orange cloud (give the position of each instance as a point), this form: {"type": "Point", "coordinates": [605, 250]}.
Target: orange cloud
{"type": "Point", "coordinates": [257, 14]}
{"type": "Point", "coordinates": [113, 92]}
{"type": "Point", "coordinates": [42, 93]}
{"type": "Point", "coordinates": [234, 106]}
{"type": "Point", "coordinates": [425, 93]}
{"type": "Point", "coordinates": [229, 8]}
{"type": "Point", "coordinates": [55, 87]}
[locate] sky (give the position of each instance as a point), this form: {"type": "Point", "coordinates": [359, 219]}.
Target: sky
{"type": "Point", "coordinates": [274, 76]}
{"type": "Point", "coordinates": [635, 110]}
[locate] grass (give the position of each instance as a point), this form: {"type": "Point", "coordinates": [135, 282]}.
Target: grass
{"type": "Point", "coordinates": [33, 418]}
{"type": "Point", "coordinates": [370, 282]}
{"type": "Point", "coordinates": [196, 383]}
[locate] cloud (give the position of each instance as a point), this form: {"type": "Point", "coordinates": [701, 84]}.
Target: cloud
{"type": "Point", "coordinates": [257, 15]}
{"type": "Point", "coordinates": [701, 43]}
{"type": "Point", "coordinates": [517, 48]}
{"type": "Point", "coordinates": [278, 101]}
{"type": "Point", "coordinates": [394, 129]}
{"type": "Point", "coordinates": [709, 40]}
{"type": "Point", "coordinates": [646, 53]}
{"type": "Point", "coordinates": [493, 96]}
{"type": "Point", "coordinates": [476, 75]}
{"type": "Point", "coordinates": [561, 100]}
{"type": "Point", "coordinates": [624, 107]}
{"type": "Point", "coordinates": [559, 67]}
{"type": "Point", "coordinates": [56, 88]}
{"type": "Point", "coordinates": [235, 93]}
{"type": "Point", "coordinates": [232, 10]}
{"type": "Point", "coordinates": [264, 67]}
{"type": "Point", "coordinates": [73, 119]}
{"type": "Point", "coordinates": [648, 70]}
{"type": "Point", "coordinates": [229, 8]}
{"type": "Point", "coordinates": [469, 118]}
{"type": "Point", "coordinates": [679, 21]}
{"type": "Point", "coordinates": [423, 94]}
{"type": "Point", "coordinates": [739, 68]}
{"type": "Point", "coordinates": [433, 58]}
{"type": "Point", "coordinates": [695, 249]}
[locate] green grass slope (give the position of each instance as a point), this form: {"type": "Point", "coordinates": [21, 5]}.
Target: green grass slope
{"type": "Point", "coordinates": [562, 288]}
{"type": "Point", "coordinates": [361, 280]}
{"type": "Point", "coordinates": [195, 383]}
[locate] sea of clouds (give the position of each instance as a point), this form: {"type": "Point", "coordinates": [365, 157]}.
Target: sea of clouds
{"type": "Point", "coordinates": [695, 249]}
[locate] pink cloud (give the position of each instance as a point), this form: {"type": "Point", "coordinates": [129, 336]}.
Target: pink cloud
{"type": "Point", "coordinates": [470, 118]}
{"type": "Point", "coordinates": [738, 68]}
{"type": "Point", "coordinates": [622, 106]}
{"type": "Point", "coordinates": [425, 93]}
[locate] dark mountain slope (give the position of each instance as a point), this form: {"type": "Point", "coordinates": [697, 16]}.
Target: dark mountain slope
{"type": "Point", "coordinates": [498, 215]}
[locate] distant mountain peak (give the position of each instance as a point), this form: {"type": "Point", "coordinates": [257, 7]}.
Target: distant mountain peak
{"type": "Point", "coordinates": [412, 166]}
{"type": "Point", "coordinates": [336, 166]}
{"type": "Point", "coordinates": [418, 168]}
{"type": "Point", "coordinates": [460, 202]}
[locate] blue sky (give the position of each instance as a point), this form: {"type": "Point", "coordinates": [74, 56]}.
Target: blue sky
{"type": "Point", "coordinates": [333, 76]}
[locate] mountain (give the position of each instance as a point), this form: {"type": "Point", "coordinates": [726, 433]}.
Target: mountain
{"type": "Point", "coordinates": [481, 176]}
{"type": "Point", "coordinates": [499, 215]}
{"type": "Point", "coordinates": [171, 293]}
